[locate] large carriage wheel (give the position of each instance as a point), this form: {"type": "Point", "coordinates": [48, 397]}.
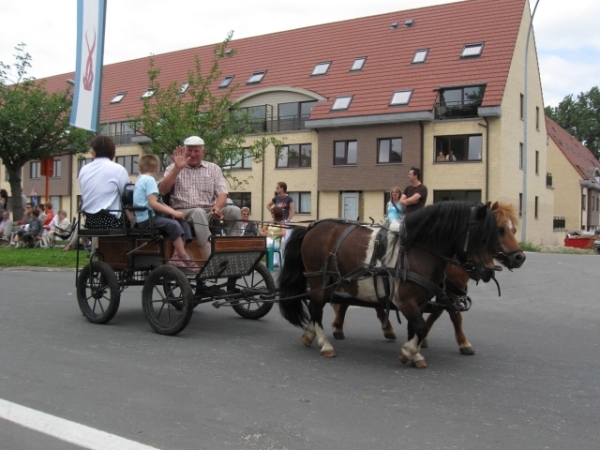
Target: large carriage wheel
{"type": "Point", "coordinates": [259, 277]}
{"type": "Point", "coordinates": [98, 292]}
{"type": "Point", "coordinates": [167, 300]}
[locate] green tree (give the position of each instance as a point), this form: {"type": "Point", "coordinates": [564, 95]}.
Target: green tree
{"type": "Point", "coordinates": [580, 117]}
{"type": "Point", "coordinates": [34, 124]}
{"type": "Point", "coordinates": [190, 107]}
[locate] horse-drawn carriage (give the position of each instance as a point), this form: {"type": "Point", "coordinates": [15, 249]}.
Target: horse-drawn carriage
{"type": "Point", "coordinates": [233, 275]}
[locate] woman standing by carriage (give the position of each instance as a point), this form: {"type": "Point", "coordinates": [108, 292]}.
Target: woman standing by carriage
{"type": "Point", "coordinates": [395, 211]}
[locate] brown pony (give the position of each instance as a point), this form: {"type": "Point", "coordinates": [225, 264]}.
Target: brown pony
{"type": "Point", "coordinates": [511, 256]}
{"type": "Point", "coordinates": [334, 256]}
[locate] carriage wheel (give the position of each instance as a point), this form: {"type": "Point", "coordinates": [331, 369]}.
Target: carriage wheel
{"type": "Point", "coordinates": [98, 292]}
{"type": "Point", "coordinates": [167, 300]}
{"type": "Point", "coordinates": [259, 277]}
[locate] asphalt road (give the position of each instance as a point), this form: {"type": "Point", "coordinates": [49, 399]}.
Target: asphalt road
{"type": "Point", "coordinates": [230, 383]}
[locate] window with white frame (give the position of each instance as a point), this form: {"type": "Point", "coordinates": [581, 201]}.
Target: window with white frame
{"type": "Point", "coordinates": [472, 50]}
{"type": "Point", "coordinates": [35, 168]}
{"type": "Point", "coordinates": [400, 98]}
{"type": "Point", "coordinates": [302, 203]}
{"type": "Point", "coordinates": [420, 56]}
{"type": "Point", "coordinates": [358, 64]}
{"type": "Point", "coordinates": [256, 77]}
{"type": "Point", "coordinates": [57, 168]}
{"type": "Point", "coordinates": [342, 103]}
{"type": "Point", "coordinates": [241, 160]}
{"type": "Point", "coordinates": [321, 68]}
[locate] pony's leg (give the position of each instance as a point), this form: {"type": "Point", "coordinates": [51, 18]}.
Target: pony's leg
{"type": "Point", "coordinates": [316, 320]}
{"type": "Point", "coordinates": [417, 330]}
{"type": "Point", "coordinates": [338, 321]}
{"type": "Point", "coordinates": [388, 330]}
{"type": "Point", "coordinates": [464, 346]}
{"type": "Point", "coordinates": [309, 334]}
{"type": "Point", "coordinates": [431, 318]}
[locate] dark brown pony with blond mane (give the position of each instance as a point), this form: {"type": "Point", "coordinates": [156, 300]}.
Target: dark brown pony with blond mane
{"type": "Point", "coordinates": [334, 256]}
{"type": "Point", "coordinates": [511, 256]}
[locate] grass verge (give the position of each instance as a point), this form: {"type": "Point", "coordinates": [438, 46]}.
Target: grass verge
{"type": "Point", "coordinates": [38, 257]}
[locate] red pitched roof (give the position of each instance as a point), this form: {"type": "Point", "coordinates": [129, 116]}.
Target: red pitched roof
{"type": "Point", "coordinates": [580, 157]}
{"type": "Point", "coordinates": [290, 56]}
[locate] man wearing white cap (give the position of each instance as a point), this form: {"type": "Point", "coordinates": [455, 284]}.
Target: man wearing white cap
{"type": "Point", "coordinates": [198, 188]}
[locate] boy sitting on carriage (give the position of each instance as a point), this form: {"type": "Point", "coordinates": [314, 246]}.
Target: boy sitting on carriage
{"type": "Point", "coordinates": [145, 194]}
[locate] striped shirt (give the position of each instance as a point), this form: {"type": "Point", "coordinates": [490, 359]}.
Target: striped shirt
{"type": "Point", "coordinates": [197, 187]}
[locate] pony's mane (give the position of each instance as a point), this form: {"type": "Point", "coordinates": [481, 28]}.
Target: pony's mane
{"type": "Point", "coordinates": [438, 225]}
{"type": "Point", "coordinates": [506, 212]}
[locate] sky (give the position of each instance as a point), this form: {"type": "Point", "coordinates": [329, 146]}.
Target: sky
{"type": "Point", "coordinates": [566, 33]}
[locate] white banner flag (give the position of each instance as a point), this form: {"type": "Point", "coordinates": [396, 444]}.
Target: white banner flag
{"type": "Point", "coordinates": [91, 15]}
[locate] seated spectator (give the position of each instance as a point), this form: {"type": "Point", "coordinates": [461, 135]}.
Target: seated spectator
{"type": "Point", "coordinates": [27, 217]}
{"type": "Point", "coordinates": [60, 228]}
{"type": "Point", "coordinates": [27, 237]}
{"type": "Point", "coordinates": [42, 209]}
{"type": "Point", "coordinates": [248, 227]}
{"type": "Point", "coordinates": [6, 226]}
{"type": "Point", "coordinates": [49, 216]}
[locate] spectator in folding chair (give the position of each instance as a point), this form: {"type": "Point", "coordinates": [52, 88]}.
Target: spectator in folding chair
{"type": "Point", "coordinates": [60, 228]}
{"type": "Point", "coordinates": [29, 237]}
{"type": "Point", "coordinates": [49, 215]}
{"type": "Point", "coordinates": [274, 230]}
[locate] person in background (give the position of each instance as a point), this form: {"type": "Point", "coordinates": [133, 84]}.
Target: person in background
{"type": "Point", "coordinates": [450, 156]}
{"type": "Point", "coordinates": [248, 227]}
{"type": "Point", "coordinates": [49, 215]}
{"type": "Point", "coordinates": [274, 229]}
{"type": "Point", "coordinates": [395, 211]}
{"type": "Point", "coordinates": [5, 226]}
{"type": "Point", "coordinates": [33, 233]}
{"type": "Point", "coordinates": [285, 202]}
{"type": "Point", "coordinates": [3, 199]}
{"type": "Point", "coordinates": [42, 209]}
{"type": "Point", "coordinates": [441, 157]}
{"type": "Point", "coordinates": [60, 227]}
{"type": "Point", "coordinates": [415, 194]}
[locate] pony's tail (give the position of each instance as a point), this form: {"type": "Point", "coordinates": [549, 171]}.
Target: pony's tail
{"type": "Point", "coordinates": [292, 281]}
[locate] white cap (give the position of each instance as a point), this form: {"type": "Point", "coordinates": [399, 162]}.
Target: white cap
{"type": "Point", "coordinates": [193, 140]}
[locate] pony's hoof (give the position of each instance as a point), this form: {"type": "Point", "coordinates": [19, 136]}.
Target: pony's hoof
{"type": "Point", "coordinates": [402, 358]}
{"type": "Point", "coordinates": [390, 336]}
{"type": "Point", "coordinates": [421, 364]}
{"type": "Point", "coordinates": [328, 353]}
{"type": "Point", "coordinates": [338, 335]}
{"type": "Point", "coordinates": [424, 343]}
{"type": "Point", "coordinates": [306, 341]}
{"type": "Point", "coordinates": [467, 350]}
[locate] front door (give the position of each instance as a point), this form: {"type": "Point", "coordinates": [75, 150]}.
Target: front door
{"type": "Point", "coordinates": [350, 205]}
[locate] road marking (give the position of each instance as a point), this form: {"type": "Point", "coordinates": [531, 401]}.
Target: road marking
{"type": "Point", "coordinates": [65, 430]}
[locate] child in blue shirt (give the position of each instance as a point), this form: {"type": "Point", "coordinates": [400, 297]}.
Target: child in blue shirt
{"type": "Point", "coordinates": [145, 194]}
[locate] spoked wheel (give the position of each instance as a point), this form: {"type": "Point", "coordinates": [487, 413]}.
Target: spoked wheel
{"type": "Point", "coordinates": [260, 277]}
{"type": "Point", "coordinates": [167, 300]}
{"type": "Point", "coordinates": [98, 292]}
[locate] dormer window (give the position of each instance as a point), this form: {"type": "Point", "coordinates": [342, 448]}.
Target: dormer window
{"type": "Point", "coordinates": [472, 50]}
{"type": "Point", "coordinates": [256, 77]}
{"type": "Point", "coordinates": [184, 87]}
{"type": "Point", "coordinates": [342, 103]}
{"type": "Point", "coordinates": [149, 93]}
{"type": "Point", "coordinates": [321, 68]}
{"type": "Point", "coordinates": [117, 98]}
{"type": "Point", "coordinates": [226, 82]}
{"type": "Point", "coordinates": [358, 64]}
{"type": "Point", "coordinates": [401, 98]}
{"type": "Point", "coordinates": [420, 56]}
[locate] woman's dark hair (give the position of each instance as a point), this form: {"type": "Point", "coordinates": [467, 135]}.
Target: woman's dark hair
{"type": "Point", "coordinates": [283, 186]}
{"type": "Point", "coordinates": [277, 213]}
{"type": "Point", "coordinates": [104, 147]}
{"type": "Point", "coordinates": [3, 193]}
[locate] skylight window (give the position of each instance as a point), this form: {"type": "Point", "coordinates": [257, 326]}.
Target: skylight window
{"type": "Point", "coordinates": [149, 93]}
{"type": "Point", "coordinates": [184, 87]}
{"type": "Point", "coordinates": [341, 103]}
{"type": "Point", "coordinates": [472, 50]}
{"type": "Point", "coordinates": [420, 56]}
{"type": "Point", "coordinates": [226, 82]}
{"type": "Point", "coordinates": [256, 77]}
{"type": "Point", "coordinates": [321, 68]}
{"type": "Point", "coordinates": [401, 98]}
{"type": "Point", "coordinates": [117, 98]}
{"type": "Point", "coordinates": [358, 64]}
